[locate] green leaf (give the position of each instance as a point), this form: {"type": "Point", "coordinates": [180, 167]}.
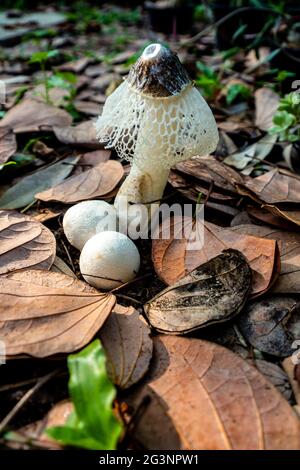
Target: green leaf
{"type": "Point", "coordinates": [237, 90]}
{"type": "Point", "coordinates": [93, 424]}
{"type": "Point", "coordinates": [42, 56]}
{"type": "Point", "coordinates": [284, 120]}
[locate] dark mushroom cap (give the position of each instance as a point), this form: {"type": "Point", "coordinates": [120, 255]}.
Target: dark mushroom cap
{"type": "Point", "coordinates": [158, 73]}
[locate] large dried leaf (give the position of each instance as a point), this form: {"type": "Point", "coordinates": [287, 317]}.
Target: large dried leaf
{"type": "Point", "coordinates": [214, 292]}
{"type": "Point", "coordinates": [210, 170]}
{"type": "Point", "coordinates": [23, 192]}
{"type": "Point", "coordinates": [266, 104]}
{"type": "Point", "coordinates": [289, 246]}
{"type": "Point", "coordinates": [173, 258]}
{"type": "Point", "coordinates": [44, 313]}
{"type": "Point", "coordinates": [82, 135]}
{"type": "Point", "coordinates": [128, 346]}
{"type": "Point", "coordinates": [24, 243]}
{"type": "Point", "coordinates": [273, 187]}
{"type": "Point", "coordinates": [91, 184]}
{"type": "Point", "coordinates": [8, 144]}
{"type": "Point", "coordinates": [272, 324]}
{"type": "Point", "coordinates": [202, 396]}
{"type": "Point", "coordinates": [30, 115]}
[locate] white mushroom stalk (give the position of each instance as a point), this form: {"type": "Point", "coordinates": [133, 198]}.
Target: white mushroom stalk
{"type": "Point", "coordinates": [155, 119]}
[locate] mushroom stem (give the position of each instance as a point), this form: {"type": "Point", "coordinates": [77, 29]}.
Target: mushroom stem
{"type": "Point", "coordinates": [143, 184]}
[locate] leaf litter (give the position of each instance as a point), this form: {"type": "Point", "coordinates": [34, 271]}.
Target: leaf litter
{"type": "Point", "coordinates": [48, 311]}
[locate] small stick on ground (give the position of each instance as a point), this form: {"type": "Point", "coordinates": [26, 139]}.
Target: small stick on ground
{"type": "Point", "coordinates": [10, 416]}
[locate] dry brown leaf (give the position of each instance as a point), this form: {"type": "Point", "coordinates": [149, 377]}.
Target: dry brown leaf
{"type": "Point", "coordinates": [82, 135]}
{"type": "Point", "coordinates": [90, 159]}
{"type": "Point", "coordinates": [29, 115]}
{"type": "Point", "coordinates": [88, 107]}
{"type": "Point", "coordinates": [210, 170]}
{"type": "Point", "coordinates": [173, 260]}
{"type": "Point", "coordinates": [273, 187]}
{"type": "Point", "coordinates": [59, 266]}
{"type": "Point", "coordinates": [45, 313]}
{"type": "Point", "coordinates": [8, 144]}
{"type": "Point", "coordinates": [128, 346]}
{"type": "Point", "coordinates": [289, 247]}
{"type": "Point", "coordinates": [285, 216]}
{"type": "Point", "coordinates": [91, 184]}
{"type": "Point", "coordinates": [44, 214]}
{"type": "Point", "coordinates": [266, 104]}
{"type": "Point", "coordinates": [214, 292]}
{"type": "Point", "coordinates": [75, 66]}
{"type": "Point", "coordinates": [202, 396]}
{"type": "Point", "coordinates": [273, 216]}
{"type": "Point", "coordinates": [25, 243]}
{"type": "Point", "coordinates": [192, 189]}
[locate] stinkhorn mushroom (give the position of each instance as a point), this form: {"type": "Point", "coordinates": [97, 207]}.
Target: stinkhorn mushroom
{"type": "Point", "coordinates": [108, 260]}
{"type": "Point", "coordinates": [82, 221]}
{"type": "Point", "coordinates": [155, 119]}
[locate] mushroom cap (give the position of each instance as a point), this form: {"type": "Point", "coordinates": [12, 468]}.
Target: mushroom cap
{"type": "Point", "coordinates": [158, 73]}
{"type": "Point", "coordinates": [157, 128]}
{"type": "Point", "coordinates": [108, 260]}
{"type": "Point", "coordinates": [82, 221]}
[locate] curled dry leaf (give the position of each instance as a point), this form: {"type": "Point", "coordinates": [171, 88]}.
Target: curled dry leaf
{"type": "Point", "coordinates": [214, 292]}
{"type": "Point", "coordinates": [91, 184]}
{"type": "Point", "coordinates": [272, 324]}
{"type": "Point", "coordinates": [174, 257]}
{"type": "Point", "coordinates": [8, 144]}
{"type": "Point", "coordinates": [202, 396]}
{"type": "Point", "coordinates": [128, 346]}
{"type": "Point", "coordinates": [24, 243]}
{"type": "Point", "coordinates": [286, 216]}
{"type": "Point", "coordinates": [266, 104]}
{"type": "Point", "coordinates": [82, 135]}
{"type": "Point", "coordinates": [289, 247]}
{"type": "Point", "coordinates": [266, 215]}
{"type": "Point", "coordinates": [29, 115]}
{"type": "Point", "coordinates": [272, 187]}
{"type": "Point", "coordinates": [23, 192]}
{"type": "Point", "coordinates": [45, 313]}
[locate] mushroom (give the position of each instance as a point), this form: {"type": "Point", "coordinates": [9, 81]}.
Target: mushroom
{"type": "Point", "coordinates": [87, 218]}
{"type": "Point", "coordinates": [155, 119]}
{"type": "Point", "coordinates": [108, 260]}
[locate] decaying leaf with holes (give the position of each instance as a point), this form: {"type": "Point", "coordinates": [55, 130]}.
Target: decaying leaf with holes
{"type": "Point", "coordinates": [214, 292]}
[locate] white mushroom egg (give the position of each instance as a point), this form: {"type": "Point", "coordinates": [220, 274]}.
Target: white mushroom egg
{"type": "Point", "coordinates": [84, 220]}
{"type": "Point", "coordinates": [108, 260]}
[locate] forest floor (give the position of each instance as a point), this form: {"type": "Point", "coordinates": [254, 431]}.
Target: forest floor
{"type": "Point", "coordinates": [233, 366]}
